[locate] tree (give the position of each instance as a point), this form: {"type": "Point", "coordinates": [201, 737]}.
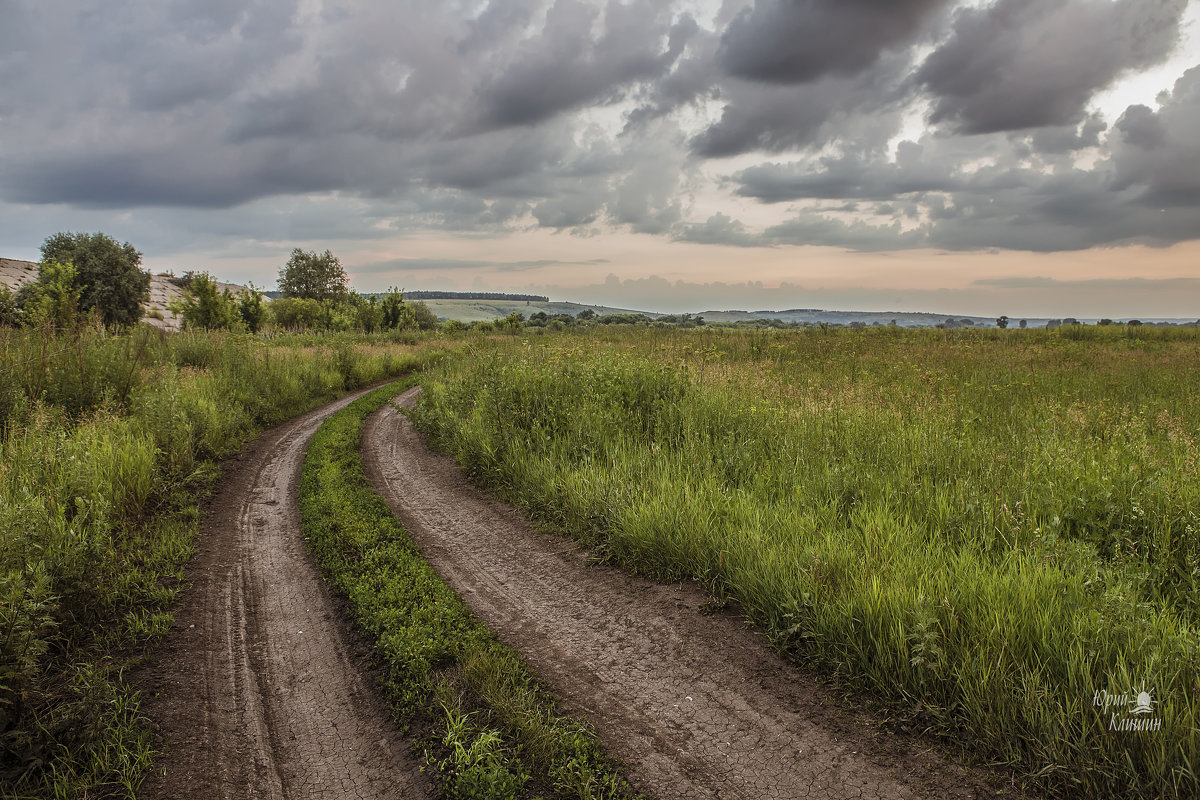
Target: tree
{"type": "Point", "coordinates": [368, 316]}
{"type": "Point", "coordinates": [251, 309]}
{"type": "Point", "coordinates": [424, 317]}
{"type": "Point", "coordinates": [108, 276]}
{"type": "Point", "coordinates": [1002, 321]}
{"type": "Point", "coordinates": [206, 306]}
{"type": "Point", "coordinates": [513, 323]}
{"type": "Point", "coordinates": [8, 307]}
{"type": "Point", "coordinates": [397, 313]}
{"type": "Point", "coordinates": [312, 277]}
{"type": "Point", "coordinates": [53, 298]}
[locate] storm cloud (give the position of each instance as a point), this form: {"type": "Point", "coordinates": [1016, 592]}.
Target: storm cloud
{"type": "Point", "coordinates": [859, 124]}
{"type": "Point", "coordinates": [1020, 64]}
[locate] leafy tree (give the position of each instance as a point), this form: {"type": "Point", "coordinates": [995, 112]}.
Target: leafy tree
{"type": "Point", "coordinates": [513, 323]}
{"type": "Point", "coordinates": [52, 299]}
{"type": "Point", "coordinates": [586, 314]}
{"type": "Point", "coordinates": [108, 276]}
{"type": "Point", "coordinates": [310, 276]}
{"type": "Point", "coordinates": [1002, 321]}
{"type": "Point", "coordinates": [368, 316]}
{"type": "Point", "coordinates": [1023, 323]}
{"type": "Point", "coordinates": [206, 306]}
{"type": "Point", "coordinates": [424, 317]}
{"type": "Point", "coordinates": [251, 308]}
{"type": "Point", "coordinates": [396, 313]}
{"type": "Point", "coordinates": [8, 307]}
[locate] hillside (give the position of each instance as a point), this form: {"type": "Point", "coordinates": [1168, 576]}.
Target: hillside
{"type": "Point", "coordinates": [484, 310]}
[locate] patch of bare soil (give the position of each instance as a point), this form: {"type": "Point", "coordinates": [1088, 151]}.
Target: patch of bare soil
{"type": "Point", "coordinates": [697, 705]}
{"type": "Point", "coordinates": [261, 689]}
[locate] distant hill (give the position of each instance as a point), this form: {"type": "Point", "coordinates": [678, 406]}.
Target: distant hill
{"type": "Point", "coordinates": [535, 298]}
{"type": "Point", "coordinates": [485, 310]}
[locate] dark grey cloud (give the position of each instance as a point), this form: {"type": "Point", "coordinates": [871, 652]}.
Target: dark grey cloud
{"type": "Point", "coordinates": [567, 65]}
{"type": "Point", "coordinates": [797, 41]}
{"type": "Point", "coordinates": [360, 119]}
{"type": "Point", "coordinates": [859, 111]}
{"type": "Point", "coordinates": [718, 229]}
{"type": "Point", "coordinates": [1018, 64]}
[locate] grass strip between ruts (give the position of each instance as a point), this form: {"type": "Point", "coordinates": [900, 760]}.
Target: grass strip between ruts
{"type": "Point", "coordinates": [487, 729]}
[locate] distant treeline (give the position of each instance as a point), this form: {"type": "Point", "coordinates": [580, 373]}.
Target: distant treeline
{"type": "Point", "coordinates": [532, 298]}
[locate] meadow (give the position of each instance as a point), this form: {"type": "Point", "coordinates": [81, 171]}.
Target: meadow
{"type": "Point", "coordinates": [106, 445]}
{"type": "Point", "coordinates": [989, 532]}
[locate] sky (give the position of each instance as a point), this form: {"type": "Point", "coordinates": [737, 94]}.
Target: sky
{"type": "Point", "coordinates": [1020, 157]}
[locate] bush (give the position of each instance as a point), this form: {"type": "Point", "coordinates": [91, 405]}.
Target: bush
{"type": "Point", "coordinates": [296, 313]}
{"type": "Point", "coordinates": [206, 306]}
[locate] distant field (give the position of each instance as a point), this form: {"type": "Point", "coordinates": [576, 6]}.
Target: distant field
{"type": "Point", "coordinates": [994, 531]}
{"type": "Point", "coordinates": [486, 310]}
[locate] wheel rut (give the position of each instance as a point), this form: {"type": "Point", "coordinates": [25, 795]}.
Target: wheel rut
{"type": "Point", "coordinates": [696, 705]}
{"type": "Point", "coordinates": [261, 689]}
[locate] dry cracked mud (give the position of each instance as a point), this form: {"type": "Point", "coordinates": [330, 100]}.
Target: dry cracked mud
{"type": "Point", "coordinates": [696, 705]}
{"type": "Point", "coordinates": [261, 689]}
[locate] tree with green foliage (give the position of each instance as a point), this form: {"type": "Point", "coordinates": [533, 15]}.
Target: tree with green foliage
{"type": "Point", "coordinates": [251, 308]}
{"type": "Point", "coordinates": [108, 276]}
{"type": "Point", "coordinates": [9, 315]}
{"type": "Point", "coordinates": [1002, 321]}
{"type": "Point", "coordinates": [424, 317]}
{"type": "Point", "coordinates": [310, 276]}
{"type": "Point", "coordinates": [368, 316]}
{"type": "Point", "coordinates": [513, 323]}
{"type": "Point", "coordinates": [52, 299]}
{"type": "Point", "coordinates": [206, 306]}
{"type": "Point", "coordinates": [397, 314]}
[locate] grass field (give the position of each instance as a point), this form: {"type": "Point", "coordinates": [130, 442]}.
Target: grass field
{"type": "Point", "coordinates": [992, 531]}
{"type": "Point", "coordinates": [106, 444]}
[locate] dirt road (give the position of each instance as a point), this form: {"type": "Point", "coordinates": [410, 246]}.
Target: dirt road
{"type": "Point", "coordinates": [260, 689]}
{"type": "Point", "coordinates": [696, 704]}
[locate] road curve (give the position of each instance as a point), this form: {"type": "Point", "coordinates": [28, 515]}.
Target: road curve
{"type": "Point", "coordinates": [695, 704]}
{"type": "Point", "coordinates": [261, 689]}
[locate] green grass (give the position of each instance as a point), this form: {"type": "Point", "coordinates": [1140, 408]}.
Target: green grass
{"type": "Point", "coordinates": [105, 444]}
{"type": "Point", "coordinates": [490, 731]}
{"type": "Point", "coordinates": [982, 528]}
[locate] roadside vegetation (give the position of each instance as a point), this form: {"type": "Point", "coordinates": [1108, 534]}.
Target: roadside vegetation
{"type": "Point", "coordinates": [489, 731]}
{"type": "Point", "coordinates": [992, 531]}
{"type": "Point", "coordinates": [105, 443]}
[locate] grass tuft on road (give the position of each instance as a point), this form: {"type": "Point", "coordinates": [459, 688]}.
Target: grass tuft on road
{"type": "Point", "coordinates": [489, 730]}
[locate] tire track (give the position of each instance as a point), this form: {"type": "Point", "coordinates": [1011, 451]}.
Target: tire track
{"type": "Point", "coordinates": [697, 705]}
{"type": "Point", "coordinates": [261, 689]}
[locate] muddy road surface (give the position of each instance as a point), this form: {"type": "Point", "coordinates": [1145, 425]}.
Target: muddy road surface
{"type": "Point", "coordinates": [695, 704]}
{"type": "Point", "coordinates": [261, 689]}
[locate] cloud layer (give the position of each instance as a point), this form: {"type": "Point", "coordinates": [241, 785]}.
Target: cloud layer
{"type": "Point", "coordinates": [862, 124]}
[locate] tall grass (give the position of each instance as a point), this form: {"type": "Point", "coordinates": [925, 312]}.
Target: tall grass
{"type": "Point", "coordinates": [106, 442]}
{"type": "Point", "coordinates": [984, 528]}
